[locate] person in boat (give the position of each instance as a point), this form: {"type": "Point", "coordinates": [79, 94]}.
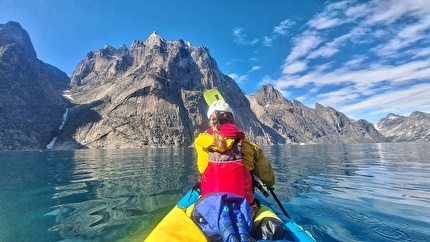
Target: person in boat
{"type": "Point", "coordinates": [227, 160]}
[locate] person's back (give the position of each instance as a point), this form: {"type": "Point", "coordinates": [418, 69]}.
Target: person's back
{"type": "Point", "coordinates": [226, 159]}
{"type": "Point", "coordinates": [227, 162]}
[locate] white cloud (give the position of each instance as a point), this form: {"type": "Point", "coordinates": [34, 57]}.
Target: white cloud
{"type": "Point", "coordinates": [282, 28]}
{"type": "Point", "coordinates": [324, 22]}
{"type": "Point", "coordinates": [239, 37]}
{"type": "Point", "coordinates": [358, 11]}
{"type": "Point", "coordinates": [303, 44]}
{"type": "Point", "coordinates": [268, 41]}
{"type": "Point", "coordinates": [342, 95]}
{"type": "Point", "coordinates": [350, 87]}
{"type": "Point", "coordinates": [424, 52]}
{"type": "Point", "coordinates": [331, 17]}
{"type": "Point", "coordinates": [255, 68]}
{"type": "Point", "coordinates": [362, 58]}
{"type": "Point", "coordinates": [413, 71]}
{"type": "Point", "coordinates": [390, 11]}
{"type": "Point", "coordinates": [293, 68]}
{"type": "Point", "coordinates": [405, 100]}
{"type": "Point", "coordinates": [355, 62]}
{"type": "Point", "coordinates": [324, 51]}
{"type": "Point", "coordinates": [310, 45]}
{"type": "Point", "coordinates": [238, 78]}
{"type": "Point", "coordinates": [406, 36]}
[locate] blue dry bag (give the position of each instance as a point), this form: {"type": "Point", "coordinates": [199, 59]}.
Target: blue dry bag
{"type": "Point", "coordinates": [223, 217]}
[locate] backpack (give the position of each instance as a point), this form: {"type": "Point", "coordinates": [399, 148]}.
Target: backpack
{"type": "Point", "coordinates": [223, 217]}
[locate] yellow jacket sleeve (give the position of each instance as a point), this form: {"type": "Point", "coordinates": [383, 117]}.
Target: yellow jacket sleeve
{"type": "Point", "coordinates": [202, 144]}
{"type": "Point", "coordinates": [256, 162]}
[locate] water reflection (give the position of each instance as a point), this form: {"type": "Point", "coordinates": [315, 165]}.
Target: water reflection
{"type": "Point", "coordinates": [380, 192]}
{"type": "Point", "coordinates": [108, 194]}
{"type": "Point", "coordinates": [358, 192]}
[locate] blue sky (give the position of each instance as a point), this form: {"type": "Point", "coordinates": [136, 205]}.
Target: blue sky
{"type": "Point", "coordinates": [363, 58]}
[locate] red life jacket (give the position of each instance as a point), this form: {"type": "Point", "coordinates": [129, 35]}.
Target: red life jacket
{"type": "Point", "coordinates": [227, 173]}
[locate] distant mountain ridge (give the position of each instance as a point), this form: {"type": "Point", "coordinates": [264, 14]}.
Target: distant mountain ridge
{"type": "Point", "coordinates": [398, 128]}
{"type": "Point", "coordinates": [300, 124]}
{"type": "Point", "coordinates": [148, 95]}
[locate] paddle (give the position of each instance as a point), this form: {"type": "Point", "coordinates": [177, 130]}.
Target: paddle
{"type": "Point", "coordinates": [259, 184]}
{"type": "Point", "coordinates": [212, 95]}
{"type": "Point", "coordinates": [279, 203]}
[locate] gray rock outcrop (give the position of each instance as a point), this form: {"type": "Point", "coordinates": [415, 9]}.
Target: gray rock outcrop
{"type": "Point", "coordinates": [31, 102]}
{"type": "Point", "coordinates": [299, 124]}
{"type": "Point", "coordinates": [414, 128]}
{"type": "Point", "coordinates": [149, 95]}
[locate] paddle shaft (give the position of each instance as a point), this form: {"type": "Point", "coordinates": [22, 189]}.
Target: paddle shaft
{"type": "Point", "coordinates": [279, 203]}
{"type": "Point", "coordinates": [259, 184]}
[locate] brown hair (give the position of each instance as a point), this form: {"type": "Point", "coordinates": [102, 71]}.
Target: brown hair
{"type": "Point", "coordinates": [215, 124]}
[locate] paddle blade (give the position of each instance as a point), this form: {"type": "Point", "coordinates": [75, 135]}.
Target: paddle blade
{"type": "Point", "coordinates": [212, 95]}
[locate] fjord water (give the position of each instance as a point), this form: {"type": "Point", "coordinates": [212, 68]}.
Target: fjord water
{"type": "Point", "coordinates": [353, 192]}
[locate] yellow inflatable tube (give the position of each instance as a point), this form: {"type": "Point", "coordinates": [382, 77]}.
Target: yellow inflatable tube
{"type": "Point", "coordinates": [176, 226]}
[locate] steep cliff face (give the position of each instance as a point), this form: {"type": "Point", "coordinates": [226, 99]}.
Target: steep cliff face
{"type": "Point", "coordinates": [414, 128]}
{"type": "Point", "coordinates": [300, 124]}
{"type": "Point", "coordinates": [31, 102]}
{"type": "Point", "coordinates": [148, 95]}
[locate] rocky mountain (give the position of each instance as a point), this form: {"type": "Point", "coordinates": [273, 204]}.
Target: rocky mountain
{"type": "Point", "coordinates": [31, 102]}
{"type": "Point", "coordinates": [149, 95]}
{"type": "Point", "coordinates": [300, 124]}
{"type": "Point", "coordinates": [414, 128]}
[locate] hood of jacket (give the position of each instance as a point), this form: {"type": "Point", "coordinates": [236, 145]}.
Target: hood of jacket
{"type": "Point", "coordinates": [228, 131]}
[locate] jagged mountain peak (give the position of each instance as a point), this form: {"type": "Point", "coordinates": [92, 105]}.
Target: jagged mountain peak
{"type": "Point", "coordinates": [153, 54]}
{"type": "Point", "coordinates": [418, 114]}
{"type": "Point", "coordinates": [267, 95]}
{"type": "Point", "coordinates": [137, 43]}
{"type": "Point", "coordinates": [394, 116]}
{"type": "Point", "coordinates": [13, 35]}
{"type": "Point", "coordinates": [155, 39]}
{"type": "Point", "coordinates": [107, 50]}
{"type": "Point", "coordinates": [154, 35]}
{"type": "Point", "coordinates": [149, 95]}
{"type": "Point", "coordinates": [298, 123]}
{"type": "Point", "coordinates": [319, 106]}
{"type": "Point", "coordinates": [122, 48]}
{"type": "Point", "coordinates": [399, 128]}
{"type": "Point", "coordinates": [389, 121]}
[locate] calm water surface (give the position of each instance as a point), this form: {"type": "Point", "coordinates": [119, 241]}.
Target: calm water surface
{"type": "Point", "coordinates": [359, 192]}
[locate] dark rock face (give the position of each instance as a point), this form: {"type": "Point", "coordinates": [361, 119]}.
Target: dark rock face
{"type": "Point", "coordinates": [414, 128]}
{"type": "Point", "coordinates": [31, 102]}
{"type": "Point", "coordinates": [300, 124]}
